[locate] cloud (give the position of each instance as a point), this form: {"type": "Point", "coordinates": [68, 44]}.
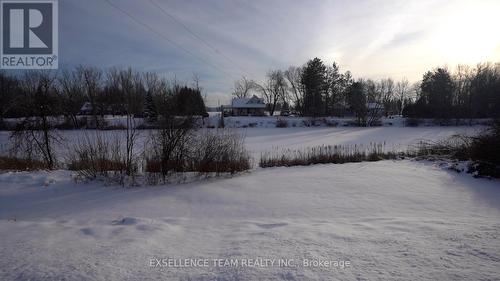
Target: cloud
{"type": "Point", "coordinates": [404, 39]}
{"type": "Point", "coordinates": [371, 38]}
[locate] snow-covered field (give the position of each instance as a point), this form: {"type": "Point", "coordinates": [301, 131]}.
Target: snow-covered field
{"type": "Point", "coordinates": [260, 140]}
{"type": "Point", "coordinates": [391, 220]}
{"type": "Point", "coordinates": [267, 139]}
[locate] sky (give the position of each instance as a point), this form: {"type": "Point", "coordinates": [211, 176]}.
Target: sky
{"type": "Point", "coordinates": [220, 41]}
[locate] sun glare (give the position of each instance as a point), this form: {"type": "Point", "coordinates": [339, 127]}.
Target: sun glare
{"type": "Point", "coordinates": [469, 34]}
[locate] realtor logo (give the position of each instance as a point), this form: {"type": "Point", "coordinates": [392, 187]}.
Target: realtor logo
{"type": "Point", "coordinates": [29, 34]}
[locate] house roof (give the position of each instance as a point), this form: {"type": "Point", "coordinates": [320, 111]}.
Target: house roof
{"type": "Point", "coordinates": [86, 106]}
{"type": "Point", "coordinates": [374, 105]}
{"type": "Point", "coordinates": [253, 102]}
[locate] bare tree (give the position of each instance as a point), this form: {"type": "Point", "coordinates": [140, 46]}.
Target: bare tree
{"type": "Point", "coordinates": [132, 87]}
{"type": "Point", "coordinates": [273, 90]}
{"type": "Point", "coordinates": [402, 94]}
{"type": "Point", "coordinates": [72, 95]}
{"type": "Point", "coordinates": [386, 94]}
{"type": "Point", "coordinates": [34, 137]}
{"type": "Point", "coordinates": [168, 146]}
{"type": "Point", "coordinates": [243, 87]}
{"type": "Point", "coordinates": [293, 75]}
{"type": "Point", "coordinates": [91, 78]}
{"type": "Point", "coordinates": [463, 83]}
{"type": "Point", "coordinates": [9, 90]}
{"type": "Point", "coordinates": [379, 97]}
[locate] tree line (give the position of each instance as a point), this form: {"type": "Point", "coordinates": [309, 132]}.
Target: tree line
{"type": "Point", "coordinates": [108, 92]}
{"type": "Point", "coordinates": [316, 89]}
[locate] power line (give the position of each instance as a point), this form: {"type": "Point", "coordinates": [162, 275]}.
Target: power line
{"type": "Point", "coordinates": [148, 27]}
{"type": "Point", "coordinates": [164, 11]}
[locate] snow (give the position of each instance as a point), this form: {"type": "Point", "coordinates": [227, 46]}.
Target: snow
{"type": "Point", "coordinates": [298, 122]}
{"type": "Point", "coordinates": [392, 220]}
{"type": "Point", "coordinates": [115, 121]}
{"type": "Point", "coordinates": [253, 102]}
{"type": "Point", "coordinates": [416, 222]}
{"type": "Point", "coordinates": [260, 140]}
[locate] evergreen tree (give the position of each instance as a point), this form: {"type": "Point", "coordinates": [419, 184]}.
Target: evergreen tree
{"type": "Point", "coordinates": [437, 92]}
{"type": "Point", "coordinates": [150, 112]}
{"type": "Point", "coordinates": [189, 102]}
{"type": "Point", "coordinates": [315, 85]}
{"type": "Point", "coordinates": [356, 98]}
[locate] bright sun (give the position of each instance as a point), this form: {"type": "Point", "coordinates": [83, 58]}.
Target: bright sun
{"type": "Point", "coordinates": [469, 33]}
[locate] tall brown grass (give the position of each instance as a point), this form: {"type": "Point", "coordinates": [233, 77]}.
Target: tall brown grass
{"type": "Point", "coordinates": [10, 163]}
{"type": "Point", "coordinates": [325, 154]}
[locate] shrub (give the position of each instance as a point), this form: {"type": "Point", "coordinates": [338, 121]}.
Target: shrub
{"type": "Point", "coordinates": [168, 147]}
{"type": "Point", "coordinates": [486, 147]}
{"type": "Point", "coordinates": [483, 151]}
{"type": "Point", "coordinates": [375, 123]}
{"type": "Point", "coordinates": [281, 123]}
{"type": "Point", "coordinates": [96, 156]}
{"type": "Point", "coordinates": [19, 164]}
{"type": "Point", "coordinates": [210, 151]}
{"type": "Point", "coordinates": [454, 147]}
{"type": "Point", "coordinates": [219, 152]}
{"type": "Point", "coordinates": [331, 123]}
{"type": "Point", "coordinates": [412, 122]}
{"type": "Point", "coordinates": [34, 139]}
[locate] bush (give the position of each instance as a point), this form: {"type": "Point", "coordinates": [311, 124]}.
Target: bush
{"type": "Point", "coordinates": [219, 152]}
{"type": "Point", "coordinates": [331, 123]}
{"type": "Point", "coordinates": [208, 152]}
{"type": "Point", "coordinates": [168, 147]}
{"type": "Point", "coordinates": [19, 164]}
{"type": "Point", "coordinates": [375, 123]}
{"type": "Point", "coordinates": [486, 147]}
{"type": "Point", "coordinates": [34, 138]}
{"type": "Point", "coordinates": [281, 123]}
{"type": "Point", "coordinates": [483, 151]}
{"type": "Point", "coordinates": [412, 122]}
{"type": "Point", "coordinates": [454, 147]}
{"type": "Point", "coordinates": [95, 156]}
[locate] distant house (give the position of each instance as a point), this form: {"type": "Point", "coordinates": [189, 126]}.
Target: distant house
{"type": "Point", "coordinates": [253, 106]}
{"type": "Point", "coordinates": [86, 109]}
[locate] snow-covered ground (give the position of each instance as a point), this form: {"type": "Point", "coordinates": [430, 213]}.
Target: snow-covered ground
{"type": "Point", "coordinates": [260, 140]}
{"type": "Point", "coordinates": [391, 220]}
{"type": "Point", "coordinates": [267, 139]}
{"type": "Point", "coordinates": [213, 121]}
